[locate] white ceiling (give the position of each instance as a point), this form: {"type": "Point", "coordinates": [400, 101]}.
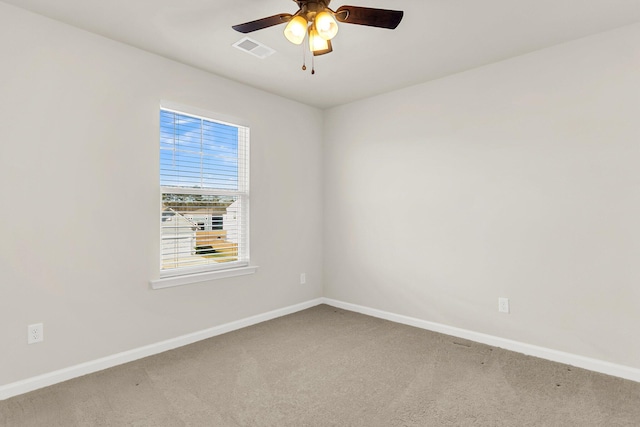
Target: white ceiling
{"type": "Point", "coordinates": [436, 38]}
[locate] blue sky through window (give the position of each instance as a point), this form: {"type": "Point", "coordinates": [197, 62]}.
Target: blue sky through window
{"type": "Point", "coordinates": [197, 153]}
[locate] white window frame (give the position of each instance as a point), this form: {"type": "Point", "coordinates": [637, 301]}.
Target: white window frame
{"type": "Point", "coordinates": [200, 273]}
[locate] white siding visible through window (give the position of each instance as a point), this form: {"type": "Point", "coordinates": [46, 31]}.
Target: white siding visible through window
{"type": "Point", "coordinates": [205, 199]}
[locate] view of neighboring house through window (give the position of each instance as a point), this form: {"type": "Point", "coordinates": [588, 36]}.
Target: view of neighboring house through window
{"type": "Point", "coordinates": [204, 182]}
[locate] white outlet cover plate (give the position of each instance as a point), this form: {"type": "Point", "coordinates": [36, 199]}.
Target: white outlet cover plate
{"type": "Point", "coordinates": [35, 333]}
{"type": "Point", "coordinates": [503, 305]}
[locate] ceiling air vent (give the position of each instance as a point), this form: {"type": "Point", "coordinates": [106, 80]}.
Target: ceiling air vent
{"type": "Point", "coordinates": [254, 47]}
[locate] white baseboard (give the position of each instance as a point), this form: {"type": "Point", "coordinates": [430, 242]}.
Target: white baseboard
{"type": "Point", "coordinates": [40, 381]}
{"type": "Point", "coordinates": [591, 364]}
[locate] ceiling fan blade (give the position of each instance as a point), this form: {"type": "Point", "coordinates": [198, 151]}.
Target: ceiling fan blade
{"type": "Point", "coordinates": [381, 18]}
{"type": "Point", "coordinates": [259, 24]}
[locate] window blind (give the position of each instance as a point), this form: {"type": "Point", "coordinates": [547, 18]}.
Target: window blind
{"type": "Point", "coordinates": [204, 182]}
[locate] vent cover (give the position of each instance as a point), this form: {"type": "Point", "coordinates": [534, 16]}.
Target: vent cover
{"type": "Point", "coordinates": [254, 47]}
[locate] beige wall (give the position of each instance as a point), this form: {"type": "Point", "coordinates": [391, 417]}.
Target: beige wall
{"type": "Point", "coordinates": [79, 219]}
{"type": "Point", "coordinates": [520, 179]}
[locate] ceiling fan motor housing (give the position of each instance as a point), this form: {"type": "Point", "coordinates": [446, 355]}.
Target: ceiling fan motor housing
{"type": "Point", "coordinates": [310, 8]}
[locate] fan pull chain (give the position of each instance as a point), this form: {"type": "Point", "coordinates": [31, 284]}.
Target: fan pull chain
{"type": "Point", "coordinates": [313, 66]}
{"type": "Point", "coordinates": [304, 57]}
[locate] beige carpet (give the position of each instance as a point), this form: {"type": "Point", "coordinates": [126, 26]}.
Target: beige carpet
{"type": "Point", "coordinates": [329, 367]}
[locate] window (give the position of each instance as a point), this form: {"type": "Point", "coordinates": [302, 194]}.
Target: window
{"type": "Point", "coordinates": [205, 194]}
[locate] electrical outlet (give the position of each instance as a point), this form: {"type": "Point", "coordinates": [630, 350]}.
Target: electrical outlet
{"type": "Point", "coordinates": [303, 278]}
{"type": "Point", "coordinates": [35, 333]}
{"type": "Point", "coordinates": [503, 305]}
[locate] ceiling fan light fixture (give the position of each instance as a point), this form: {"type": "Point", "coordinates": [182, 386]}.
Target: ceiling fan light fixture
{"type": "Point", "coordinates": [296, 29]}
{"type": "Point", "coordinates": [315, 19]}
{"type": "Point", "coordinates": [326, 25]}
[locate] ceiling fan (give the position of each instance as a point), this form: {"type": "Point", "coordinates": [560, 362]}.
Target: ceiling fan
{"type": "Point", "coordinates": [315, 20]}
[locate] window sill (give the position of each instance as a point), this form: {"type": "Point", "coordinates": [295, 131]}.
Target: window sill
{"type": "Point", "coordinates": [169, 282]}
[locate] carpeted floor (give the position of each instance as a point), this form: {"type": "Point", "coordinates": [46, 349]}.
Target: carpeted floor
{"type": "Point", "coordinates": [329, 367]}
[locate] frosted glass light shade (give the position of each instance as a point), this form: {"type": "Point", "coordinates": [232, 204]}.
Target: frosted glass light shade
{"type": "Point", "coordinates": [296, 29]}
{"type": "Point", "coordinates": [317, 43]}
{"type": "Point", "coordinates": [326, 25]}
